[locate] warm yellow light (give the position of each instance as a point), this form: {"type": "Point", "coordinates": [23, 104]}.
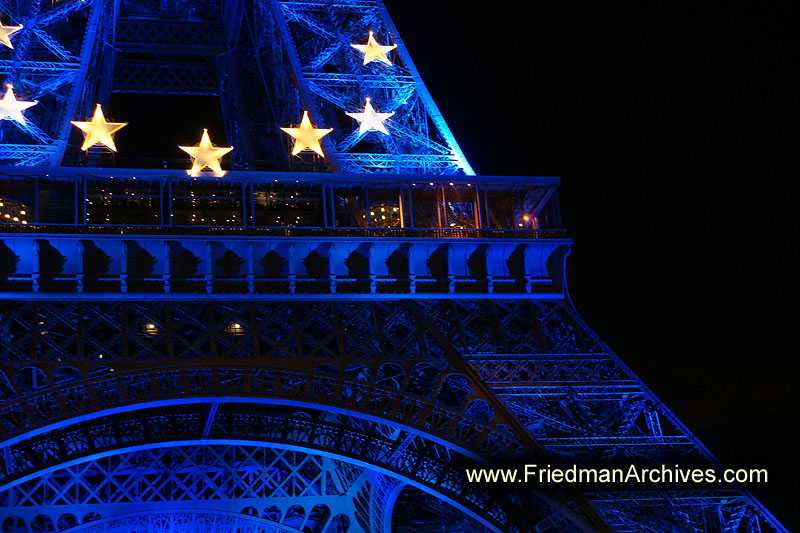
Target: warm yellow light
{"type": "Point", "coordinates": [235, 328]}
{"type": "Point", "coordinates": [370, 120]}
{"type": "Point", "coordinates": [6, 32]}
{"type": "Point", "coordinates": [98, 131]}
{"type": "Point", "coordinates": [526, 217]}
{"type": "Point", "coordinates": [307, 136]}
{"type": "Point", "coordinates": [21, 212]}
{"type": "Point", "coordinates": [11, 108]}
{"type": "Point", "coordinates": [372, 50]}
{"type": "Point", "coordinates": [205, 154]}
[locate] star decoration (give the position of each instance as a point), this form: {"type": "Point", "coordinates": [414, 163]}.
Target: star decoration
{"type": "Point", "coordinates": [205, 154]}
{"type": "Point", "coordinates": [11, 108]}
{"type": "Point", "coordinates": [98, 131]}
{"type": "Point", "coordinates": [307, 136]}
{"type": "Point", "coordinates": [372, 50]}
{"type": "Point", "coordinates": [6, 32]}
{"type": "Point", "coordinates": [370, 120]}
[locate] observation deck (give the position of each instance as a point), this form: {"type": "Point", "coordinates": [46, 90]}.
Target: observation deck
{"type": "Point", "coordinates": [98, 233]}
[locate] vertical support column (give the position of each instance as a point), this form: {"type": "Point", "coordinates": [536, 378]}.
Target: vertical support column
{"type": "Point", "coordinates": [35, 273]}
{"type": "Point", "coordinates": [209, 276]}
{"type": "Point", "coordinates": [373, 286]}
{"type": "Point", "coordinates": [290, 264]}
{"type": "Point", "coordinates": [487, 248]}
{"type": "Point", "coordinates": [451, 278]}
{"type": "Point", "coordinates": [331, 269]}
{"type": "Point", "coordinates": [251, 286]}
{"type": "Point", "coordinates": [81, 273]}
{"type": "Point", "coordinates": [412, 277]}
{"type": "Point", "coordinates": [123, 274]}
{"type": "Point", "coordinates": [166, 276]}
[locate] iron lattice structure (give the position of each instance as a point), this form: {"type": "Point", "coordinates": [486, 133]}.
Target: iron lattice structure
{"type": "Point", "coordinates": [275, 351]}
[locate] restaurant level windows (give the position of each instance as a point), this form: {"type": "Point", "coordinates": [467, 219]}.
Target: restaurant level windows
{"type": "Point", "coordinates": [129, 202]}
{"type": "Point", "coordinates": [288, 204]}
{"type": "Point", "coordinates": [385, 206]}
{"type": "Point", "coordinates": [207, 203]}
{"type": "Point", "coordinates": [350, 206]}
{"type": "Point", "coordinates": [444, 205]}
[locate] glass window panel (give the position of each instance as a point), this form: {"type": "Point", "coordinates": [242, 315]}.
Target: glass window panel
{"type": "Point", "coordinates": [56, 201]}
{"type": "Point", "coordinates": [427, 201]}
{"type": "Point", "coordinates": [386, 207]}
{"type": "Point", "coordinates": [504, 209]}
{"type": "Point", "coordinates": [288, 204]}
{"type": "Point", "coordinates": [123, 201]}
{"type": "Point", "coordinates": [459, 206]}
{"type": "Point", "coordinates": [17, 196]}
{"type": "Point", "coordinates": [349, 207]}
{"type": "Point", "coordinates": [547, 215]}
{"type": "Point", "coordinates": [204, 203]}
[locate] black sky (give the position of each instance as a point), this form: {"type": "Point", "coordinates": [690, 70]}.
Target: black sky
{"type": "Point", "coordinates": [668, 125]}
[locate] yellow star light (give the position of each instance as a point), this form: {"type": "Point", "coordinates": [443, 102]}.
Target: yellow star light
{"type": "Point", "coordinates": [370, 120]}
{"type": "Point", "coordinates": [372, 50]}
{"type": "Point", "coordinates": [6, 32]}
{"type": "Point", "coordinates": [205, 154]}
{"type": "Point", "coordinates": [11, 108]}
{"type": "Point", "coordinates": [307, 136]}
{"type": "Point", "coordinates": [98, 131]}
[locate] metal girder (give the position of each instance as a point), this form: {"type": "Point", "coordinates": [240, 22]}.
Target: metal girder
{"type": "Point", "coordinates": [267, 483]}
{"type": "Point", "coordinates": [47, 69]}
{"type": "Point", "coordinates": [329, 74]}
{"type": "Point", "coordinates": [339, 437]}
{"type": "Point", "coordinates": [569, 393]}
{"type": "Point", "coordinates": [94, 397]}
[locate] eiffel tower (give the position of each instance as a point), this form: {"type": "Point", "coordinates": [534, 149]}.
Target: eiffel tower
{"type": "Point", "coordinates": [299, 343]}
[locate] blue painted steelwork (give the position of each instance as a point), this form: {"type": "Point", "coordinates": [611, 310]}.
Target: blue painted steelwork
{"type": "Point", "coordinates": [52, 56]}
{"type": "Point", "coordinates": [295, 351]}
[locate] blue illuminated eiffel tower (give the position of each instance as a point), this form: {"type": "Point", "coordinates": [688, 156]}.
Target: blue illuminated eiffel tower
{"type": "Point", "coordinates": [302, 343]}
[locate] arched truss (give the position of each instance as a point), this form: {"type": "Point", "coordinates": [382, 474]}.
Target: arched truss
{"type": "Point", "coordinates": [425, 459]}
{"type": "Point", "coordinates": [368, 445]}
{"type": "Point", "coordinates": [204, 486]}
{"type": "Point", "coordinates": [181, 520]}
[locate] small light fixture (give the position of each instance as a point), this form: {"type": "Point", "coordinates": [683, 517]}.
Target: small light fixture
{"type": "Point", "coordinates": [150, 329]}
{"type": "Point", "coordinates": [235, 328]}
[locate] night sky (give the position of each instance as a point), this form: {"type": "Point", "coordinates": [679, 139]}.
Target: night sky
{"type": "Point", "coordinates": [666, 123]}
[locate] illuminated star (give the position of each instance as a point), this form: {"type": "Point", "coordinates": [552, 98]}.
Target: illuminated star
{"type": "Point", "coordinates": [11, 108]}
{"type": "Point", "coordinates": [307, 136]}
{"type": "Point", "coordinates": [372, 50]}
{"type": "Point", "coordinates": [99, 131]}
{"type": "Point", "coordinates": [6, 32]}
{"type": "Point", "coordinates": [370, 120]}
{"type": "Point", "coordinates": [205, 154]}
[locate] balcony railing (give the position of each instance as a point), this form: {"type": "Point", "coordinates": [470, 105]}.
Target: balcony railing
{"type": "Point", "coordinates": [398, 233]}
